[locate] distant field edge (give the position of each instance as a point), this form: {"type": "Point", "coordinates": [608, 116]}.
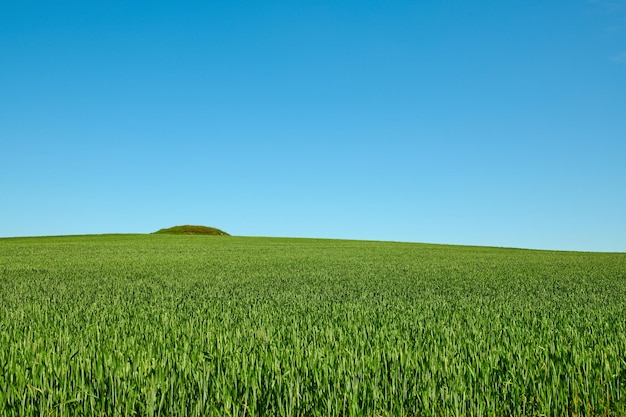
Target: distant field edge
{"type": "Point", "coordinates": [192, 230]}
{"type": "Point", "coordinates": [307, 239]}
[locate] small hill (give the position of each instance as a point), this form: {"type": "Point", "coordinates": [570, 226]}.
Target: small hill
{"type": "Point", "coordinates": [192, 230]}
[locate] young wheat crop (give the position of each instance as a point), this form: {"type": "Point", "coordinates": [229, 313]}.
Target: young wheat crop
{"type": "Point", "coordinates": [165, 325]}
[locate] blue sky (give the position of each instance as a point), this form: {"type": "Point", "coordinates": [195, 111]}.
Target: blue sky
{"type": "Point", "coordinates": [486, 122]}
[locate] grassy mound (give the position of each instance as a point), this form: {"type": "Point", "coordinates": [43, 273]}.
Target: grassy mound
{"type": "Point", "coordinates": [192, 230]}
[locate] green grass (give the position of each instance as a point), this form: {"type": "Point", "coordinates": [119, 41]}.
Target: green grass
{"type": "Point", "coordinates": [173, 325]}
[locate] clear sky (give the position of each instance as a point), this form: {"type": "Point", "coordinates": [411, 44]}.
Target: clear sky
{"type": "Point", "coordinates": [499, 123]}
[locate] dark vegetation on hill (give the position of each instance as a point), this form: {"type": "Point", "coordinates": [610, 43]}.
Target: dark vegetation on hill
{"type": "Point", "coordinates": [192, 230]}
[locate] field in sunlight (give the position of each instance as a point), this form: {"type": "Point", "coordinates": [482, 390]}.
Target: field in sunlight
{"type": "Point", "coordinates": [153, 325]}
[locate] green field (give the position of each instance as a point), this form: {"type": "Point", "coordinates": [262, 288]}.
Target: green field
{"type": "Point", "coordinates": [146, 325]}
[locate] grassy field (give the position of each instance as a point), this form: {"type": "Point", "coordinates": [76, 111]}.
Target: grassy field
{"type": "Point", "coordinates": [146, 325]}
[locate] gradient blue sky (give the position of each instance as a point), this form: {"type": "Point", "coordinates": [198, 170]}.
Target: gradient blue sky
{"type": "Point", "coordinates": [498, 123]}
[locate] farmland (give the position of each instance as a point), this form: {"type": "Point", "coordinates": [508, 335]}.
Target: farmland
{"type": "Point", "coordinates": [170, 325]}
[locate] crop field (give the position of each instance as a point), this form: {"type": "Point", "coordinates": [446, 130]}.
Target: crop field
{"type": "Point", "coordinates": [170, 325]}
